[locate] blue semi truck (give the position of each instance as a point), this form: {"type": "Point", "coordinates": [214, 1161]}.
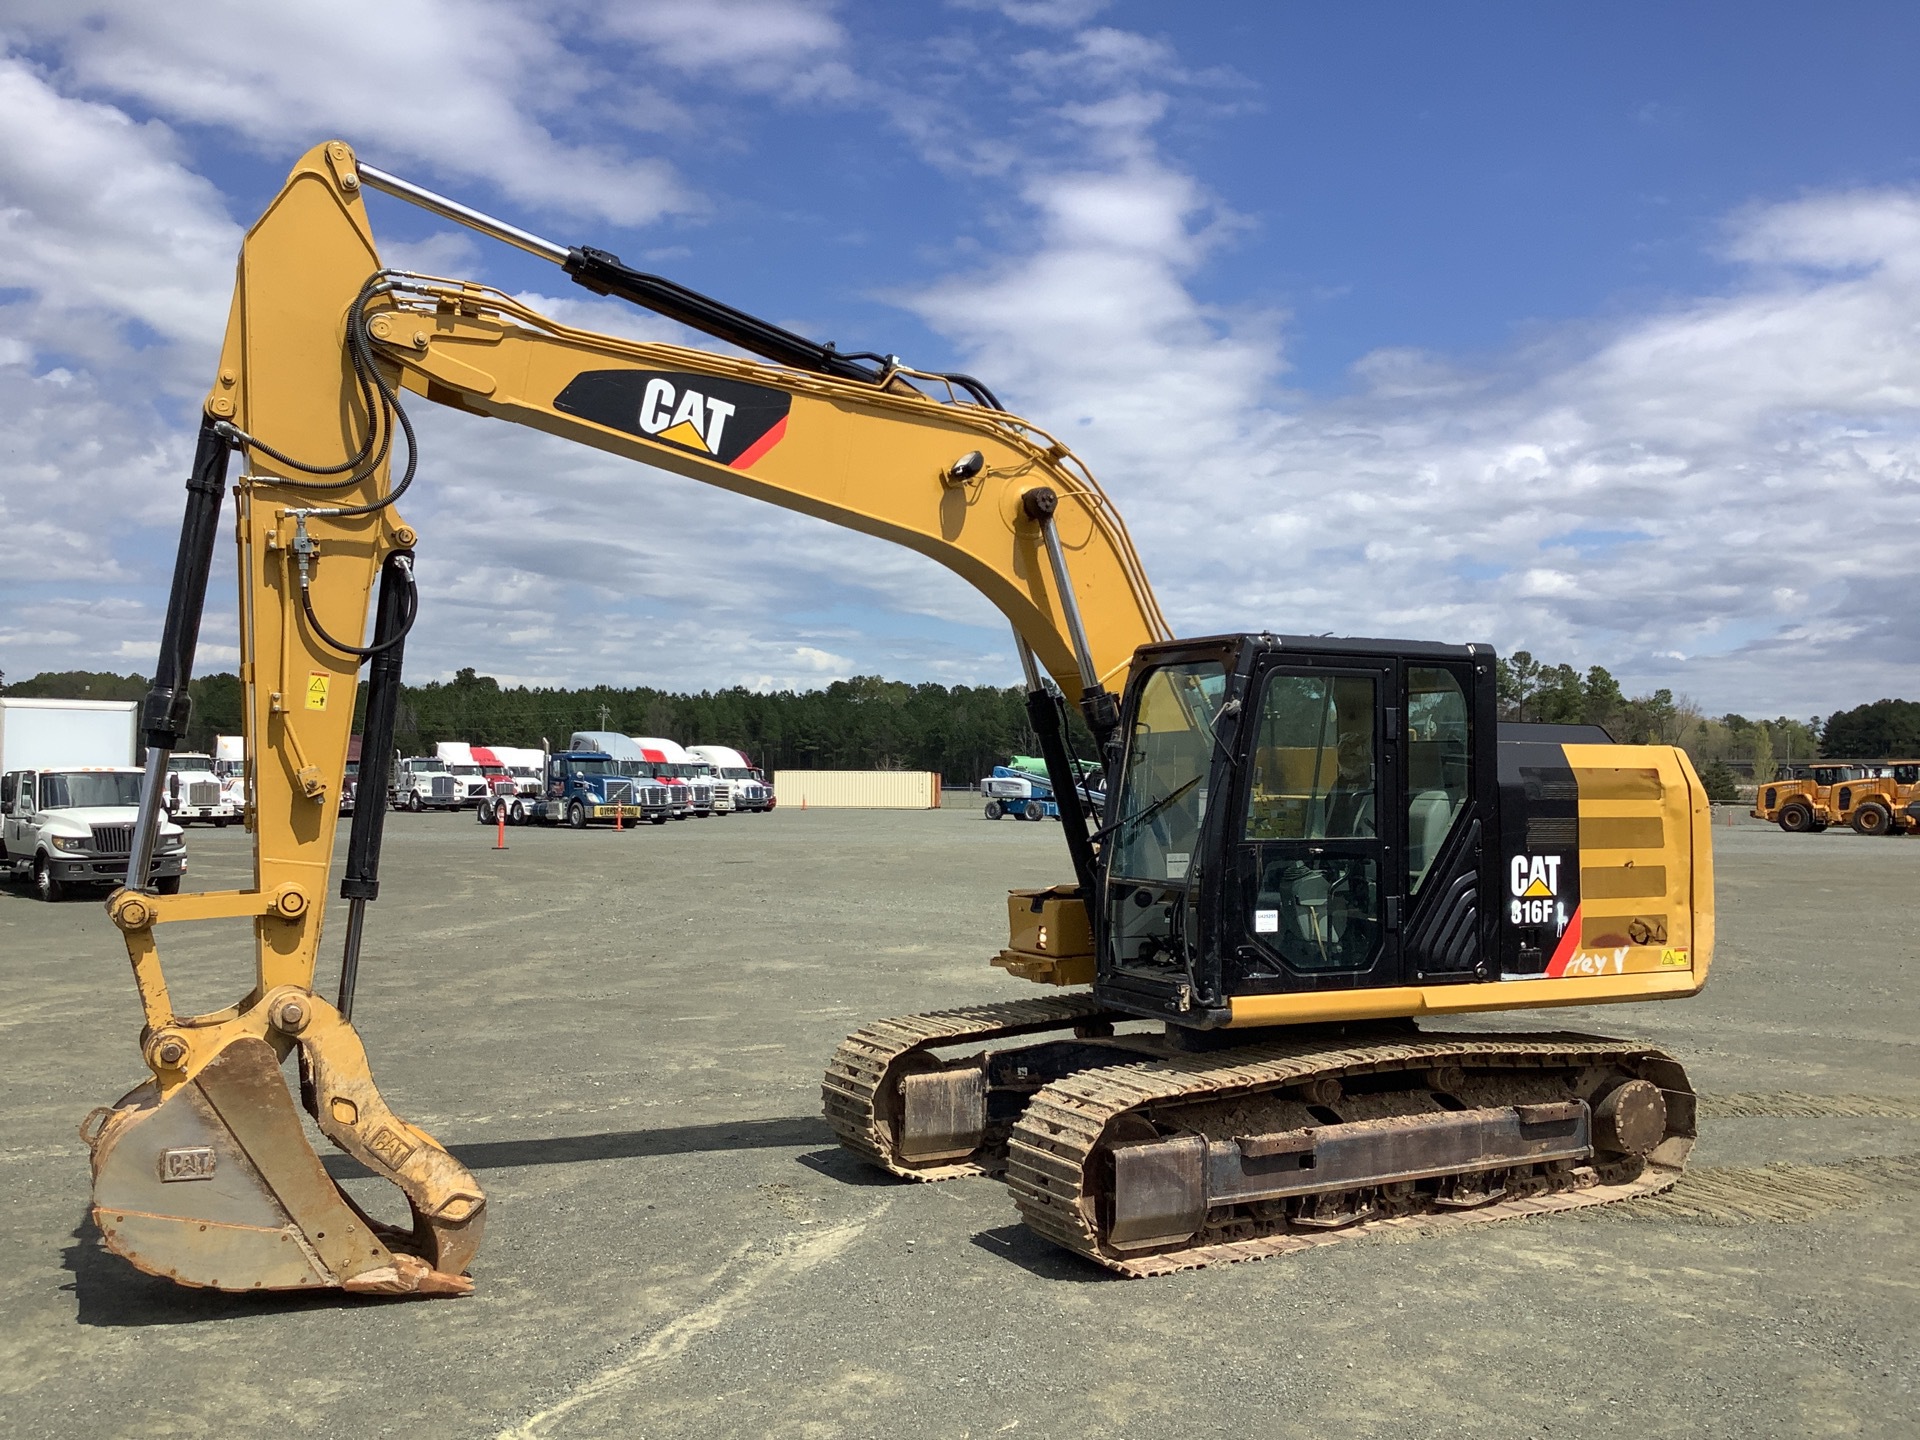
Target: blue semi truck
{"type": "Point", "coordinates": [584, 786]}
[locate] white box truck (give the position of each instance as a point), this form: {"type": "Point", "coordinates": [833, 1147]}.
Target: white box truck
{"type": "Point", "coordinates": [69, 793]}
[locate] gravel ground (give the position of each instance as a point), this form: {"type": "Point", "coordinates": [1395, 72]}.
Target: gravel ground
{"type": "Point", "coordinates": [623, 1035]}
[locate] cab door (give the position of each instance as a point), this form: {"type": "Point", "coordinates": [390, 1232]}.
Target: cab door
{"type": "Point", "coordinates": [18, 834]}
{"type": "Point", "coordinates": [1317, 881]}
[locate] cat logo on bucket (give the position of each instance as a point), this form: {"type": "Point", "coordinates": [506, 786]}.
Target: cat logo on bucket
{"type": "Point", "coordinates": [715, 418]}
{"type": "Point", "coordinates": [1534, 883]}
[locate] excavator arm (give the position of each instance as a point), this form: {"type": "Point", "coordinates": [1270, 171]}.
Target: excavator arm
{"type": "Point", "coordinates": [202, 1173]}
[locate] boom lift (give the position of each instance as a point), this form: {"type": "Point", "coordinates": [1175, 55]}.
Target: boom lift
{"type": "Point", "coordinates": [1308, 843]}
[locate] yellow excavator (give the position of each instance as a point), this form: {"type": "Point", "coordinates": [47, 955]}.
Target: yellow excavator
{"type": "Point", "coordinates": [1308, 845]}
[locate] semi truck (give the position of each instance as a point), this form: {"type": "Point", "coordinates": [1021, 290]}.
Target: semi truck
{"type": "Point", "coordinates": [751, 792]}
{"type": "Point", "coordinates": [661, 799]}
{"type": "Point", "coordinates": [194, 791]}
{"type": "Point", "coordinates": [474, 768]}
{"type": "Point", "coordinates": [675, 766]}
{"type": "Point", "coordinates": [69, 796]}
{"type": "Point", "coordinates": [586, 785]}
{"type": "Point", "coordinates": [424, 782]}
{"type": "Point", "coordinates": [517, 788]}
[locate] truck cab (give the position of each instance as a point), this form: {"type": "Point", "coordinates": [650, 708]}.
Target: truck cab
{"type": "Point", "coordinates": [584, 786]}
{"type": "Point", "coordinates": [424, 782]}
{"type": "Point", "coordinates": [475, 770]}
{"type": "Point", "coordinates": [660, 800]}
{"type": "Point", "coordinates": [750, 791]}
{"type": "Point", "coordinates": [194, 791]}
{"type": "Point", "coordinates": [72, 827]}
{"type": "Point", "coordinates": [674, 766]}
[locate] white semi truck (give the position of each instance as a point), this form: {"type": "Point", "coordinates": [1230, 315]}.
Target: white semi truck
{"type": "Point", "coordinates": [522, 786]}
{"type": "Point", "coordinates": [69, 793]}
{"type": "Point", "coordinates": [751, 792]}
{"type": "Point", "coordinates": [675, 766]}
{"type": "Point", "coordinates": [194, 791]}
{"type": "Point", "coordinates": [423, 782]}
{"type": "Point", "coordinates": [474, 770]}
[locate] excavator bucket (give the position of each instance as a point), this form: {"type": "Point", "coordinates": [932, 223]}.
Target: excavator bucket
{"type": "Point", "coordinates": [216, 1185]}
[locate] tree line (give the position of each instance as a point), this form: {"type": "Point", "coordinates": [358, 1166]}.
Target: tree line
{"type": "Point", "coordinates": [962, 731]}
{"type": "Point", "coordinates": [866, 723]}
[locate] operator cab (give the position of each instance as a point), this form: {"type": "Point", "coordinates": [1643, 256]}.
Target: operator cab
{"type": "Point", "coordinates": [1300, 814]}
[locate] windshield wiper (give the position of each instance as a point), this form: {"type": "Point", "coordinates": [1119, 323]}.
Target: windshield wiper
{"type": "Point", "coordinates": [1154, 809]}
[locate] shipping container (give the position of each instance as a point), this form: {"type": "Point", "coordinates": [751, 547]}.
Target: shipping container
{"type": "Point", "coordinates": [858, 789]}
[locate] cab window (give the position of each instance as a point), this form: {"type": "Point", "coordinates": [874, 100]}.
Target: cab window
{"type": "Point", "coordinates": [1168, 755]}
{"type": "Point", "coordinates": [1313, 760]}
{"type": "Point", "coordinates": [1311, 810]}
{"type": "Point", "coordinates": [1437, 750]}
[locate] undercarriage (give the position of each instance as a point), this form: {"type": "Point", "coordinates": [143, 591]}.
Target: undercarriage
{"type": "Point", "coordinates": [1123, 1144]}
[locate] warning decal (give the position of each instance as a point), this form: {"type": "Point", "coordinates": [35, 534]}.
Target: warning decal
{"type": "Point", "coordinates": [318, 683]}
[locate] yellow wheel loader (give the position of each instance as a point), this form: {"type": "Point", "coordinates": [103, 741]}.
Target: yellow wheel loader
{"type": "Point", "coordinates": [1315, 853]}
{"type": "Point", "coordinates": [1883, 801]}
{"type": "Point", "coordinates": [1806, 800]}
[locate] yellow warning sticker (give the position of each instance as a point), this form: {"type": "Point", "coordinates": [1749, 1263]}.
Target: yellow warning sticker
{"type": "Point", "coordinates": [1677, 959]}
{"type": "Point", "coordinates": [318, 682]}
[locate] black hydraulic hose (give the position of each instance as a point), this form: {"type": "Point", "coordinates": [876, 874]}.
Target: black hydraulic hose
{"type": "Point", "coordinates": [373, 448]}
{"type": "Point", "coordinates": [393, 616]}
{"type": "Point", "coordinates": [364, 652]}
{"type": "Point", "coordinates": [384, 413]}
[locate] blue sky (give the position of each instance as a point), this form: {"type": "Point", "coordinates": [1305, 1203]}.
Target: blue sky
{"type": "Point", "coordinates": [1502, 322]}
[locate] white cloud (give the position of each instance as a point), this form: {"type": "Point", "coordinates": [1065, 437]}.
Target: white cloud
{"type": "Point", "coordinates": [472, 88]}
{"type": "Point", "coordinates": [781, 47]}
{"type": "Point", "coordinates": [1046, 14]}
{"type": "Point", "coordinates": [103, 219]}
{"type": "Point", "coordinates": [1619, 504]}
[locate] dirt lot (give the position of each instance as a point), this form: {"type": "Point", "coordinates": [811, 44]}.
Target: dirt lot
{"type": "Point", "coordinates": [623, 1035]}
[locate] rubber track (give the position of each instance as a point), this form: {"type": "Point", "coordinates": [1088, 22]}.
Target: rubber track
{"type": "Point", "coordinates": [858, 1073]}
{"type": "Point", "coordinates": [1053, 1144]}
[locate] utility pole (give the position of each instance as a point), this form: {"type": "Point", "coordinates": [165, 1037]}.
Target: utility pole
{"type": "Point", "coordinates": [605, 714]}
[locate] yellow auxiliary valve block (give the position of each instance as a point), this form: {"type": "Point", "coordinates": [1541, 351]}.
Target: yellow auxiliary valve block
{"type": "Point", "coordinates": [1049, 937]}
